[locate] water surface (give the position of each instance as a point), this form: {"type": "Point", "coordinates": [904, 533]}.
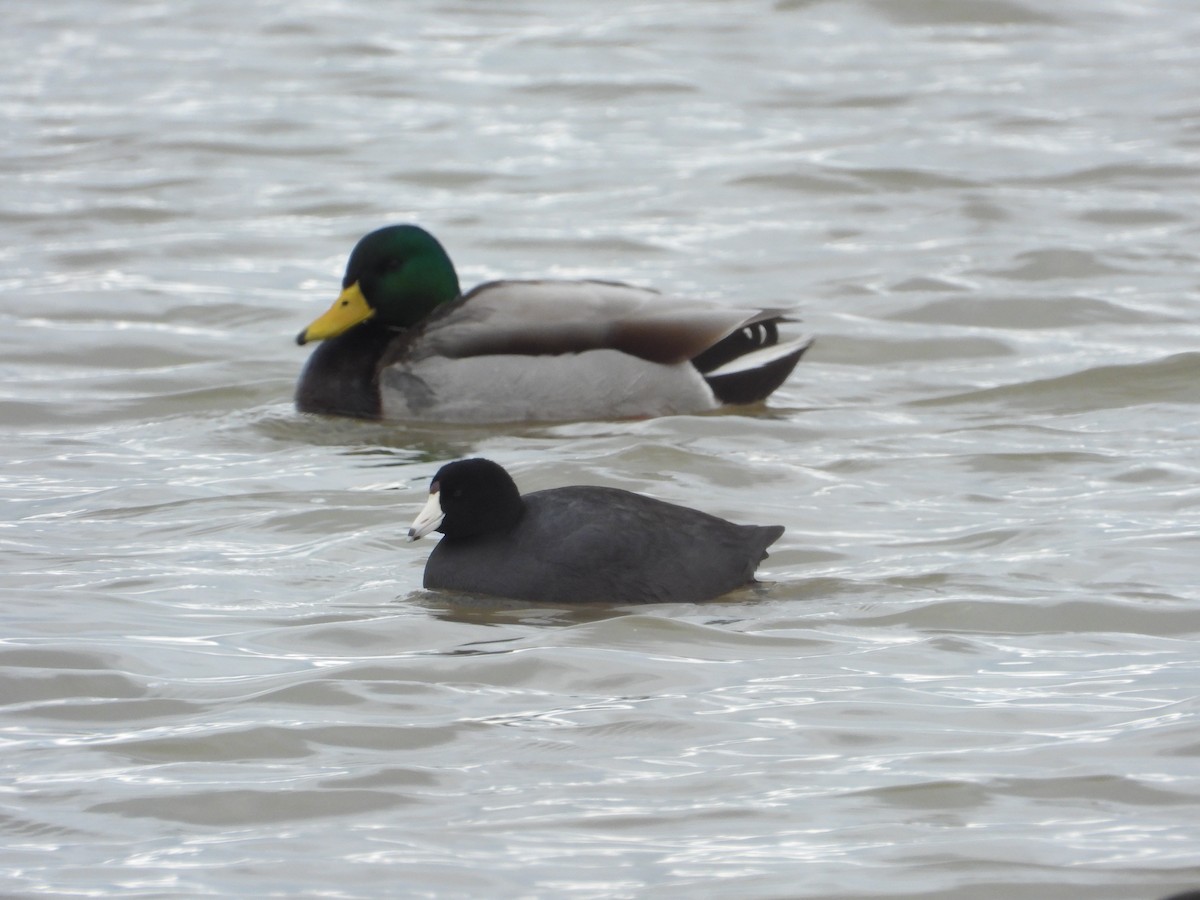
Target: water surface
{"type": "Point", "coordinates": [972, 669]}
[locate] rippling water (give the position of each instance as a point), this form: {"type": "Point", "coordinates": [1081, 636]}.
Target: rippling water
{"type": "Point", "coordinates": [973, 670]}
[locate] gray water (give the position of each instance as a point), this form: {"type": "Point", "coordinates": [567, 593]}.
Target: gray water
{"type": "Point", "coordinates": [971, 670]}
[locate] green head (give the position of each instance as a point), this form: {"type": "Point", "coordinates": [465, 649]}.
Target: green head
{"type": "Point", "coordinates": [396, 276]}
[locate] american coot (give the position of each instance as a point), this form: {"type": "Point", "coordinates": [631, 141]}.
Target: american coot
{"type": "Point", "coordinates": [578, 544]}
{"type": "Point", "coordinates": [401, 343]}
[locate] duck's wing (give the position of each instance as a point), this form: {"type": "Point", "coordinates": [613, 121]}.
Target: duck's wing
{"type": "Point", "coordinates": [533, 318]}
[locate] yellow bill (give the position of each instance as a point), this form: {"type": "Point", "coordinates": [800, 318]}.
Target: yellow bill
{"type": "Point", "coordinates": [348, 310]}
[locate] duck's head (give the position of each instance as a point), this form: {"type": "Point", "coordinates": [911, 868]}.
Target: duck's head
{"type": "Point", "coordinates": [395, 277]}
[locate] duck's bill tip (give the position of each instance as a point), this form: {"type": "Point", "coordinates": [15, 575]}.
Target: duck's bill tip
{"type": "Point", "coordinates": [348, 310]}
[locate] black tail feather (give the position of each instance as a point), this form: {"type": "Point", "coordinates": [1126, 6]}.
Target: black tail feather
{"type": "Point", "coordinates": [754, 385]}
{"type": "Point", "coordinates": [743, 341]}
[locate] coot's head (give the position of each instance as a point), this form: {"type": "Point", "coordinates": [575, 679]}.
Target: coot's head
{"type": "Point", "coordinates": [469, 497]}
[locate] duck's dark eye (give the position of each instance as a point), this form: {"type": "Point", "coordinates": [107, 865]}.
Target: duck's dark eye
{"type": "Point", "coordinates": [393, 265]}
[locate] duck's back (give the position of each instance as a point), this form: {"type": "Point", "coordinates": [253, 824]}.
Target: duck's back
{"type": "Point", "coordinates": [603, 545]}
{"type": "Point", "coordinates": [563, 350]}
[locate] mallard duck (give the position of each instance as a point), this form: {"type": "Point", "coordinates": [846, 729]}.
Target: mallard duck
{"type": "Point", "coordinates": [402, 342]}
{"type": "Point", "coordinates": [579, 544]}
